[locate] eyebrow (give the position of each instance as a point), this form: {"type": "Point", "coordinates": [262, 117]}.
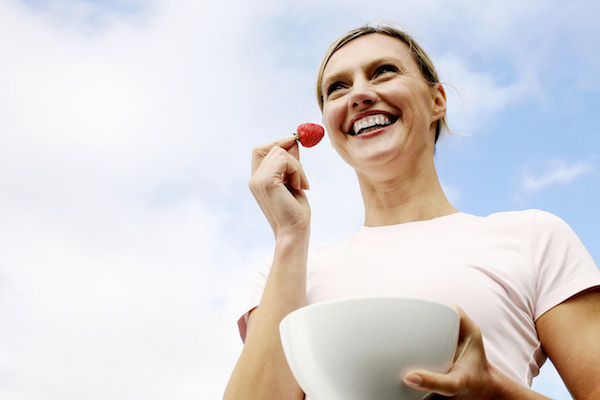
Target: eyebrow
{"type": "Point", "coordinates": [337, 76]}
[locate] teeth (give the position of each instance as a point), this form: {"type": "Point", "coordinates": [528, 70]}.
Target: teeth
{"type": "Point", "coordinates": [370, 121]}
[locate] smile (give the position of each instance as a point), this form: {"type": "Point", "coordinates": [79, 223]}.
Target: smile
{"type": "Point", "coordinates": [371, 123]}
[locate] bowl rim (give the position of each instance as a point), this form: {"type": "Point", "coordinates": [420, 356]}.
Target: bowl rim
{"type": "Point", "coordinates": [353, 299]}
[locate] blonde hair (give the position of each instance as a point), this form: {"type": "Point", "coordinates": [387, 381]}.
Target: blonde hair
{"type": "Point", "coordinates": [423, 60]}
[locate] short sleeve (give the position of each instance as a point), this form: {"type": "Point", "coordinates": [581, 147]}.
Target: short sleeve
{"type": "Point", "coordinates": [564, 268]}
{"type": "Point", "coordinates": [257, 292]}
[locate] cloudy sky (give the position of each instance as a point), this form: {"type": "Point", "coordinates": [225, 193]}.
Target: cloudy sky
{"type": "Point", "coordinates": [129, 241]}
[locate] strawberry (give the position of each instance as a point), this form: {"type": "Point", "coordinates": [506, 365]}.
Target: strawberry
{"type": "Point", "coordinates": [309, 134]}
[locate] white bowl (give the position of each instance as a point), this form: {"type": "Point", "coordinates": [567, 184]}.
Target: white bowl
{"type": "Point", "coordinates": [360, 348]}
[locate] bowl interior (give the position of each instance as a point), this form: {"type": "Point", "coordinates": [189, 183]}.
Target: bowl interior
{"type": "Point", "coordinates": [359, 348]}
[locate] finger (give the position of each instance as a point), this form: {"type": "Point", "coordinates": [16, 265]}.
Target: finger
{"type": "Point", "coordinates": [285, 168]}
{"type": "Point", "coordinates": [294, 174]}
{"type": "Point", "coordinates": [469, 334]}
{"type": "Point", "coordinates": [294, 150]}
{"type": "Point", "coordinates": [468, 327]}
{"type": "Point", "coordinates": [444, 384]}
{"type": "Point", "coordinates": [260, 152]}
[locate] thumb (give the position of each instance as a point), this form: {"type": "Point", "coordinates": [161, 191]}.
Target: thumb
{"type": "Point", "coordinates": [294, 150]}
{"type": "Point", "coordinates": [448, 385]}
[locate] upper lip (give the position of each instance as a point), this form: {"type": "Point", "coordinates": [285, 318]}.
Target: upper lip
{"type": "Point", "coordinates": [367, 113]}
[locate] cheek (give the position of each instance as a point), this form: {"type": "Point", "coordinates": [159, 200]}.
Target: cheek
{"type": "Point", "coordinates": [333, 117]}
{"type": "Point", "coordinates": [396, 96]}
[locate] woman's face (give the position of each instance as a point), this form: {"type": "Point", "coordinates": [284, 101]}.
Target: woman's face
{"type": "Point", "coordinates": [378, 109]}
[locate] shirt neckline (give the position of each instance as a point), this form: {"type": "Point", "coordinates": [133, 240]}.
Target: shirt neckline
{"type": "Point", "coordinates": [413, 224]}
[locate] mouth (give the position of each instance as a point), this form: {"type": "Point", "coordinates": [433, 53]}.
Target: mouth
{"type": "Point", "coordinates": [370, 123]}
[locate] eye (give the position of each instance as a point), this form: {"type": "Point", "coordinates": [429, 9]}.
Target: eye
{"type": "Point", "coordinates": [385, 69]}
{"type": "Point", "coordinates": [335, 86]}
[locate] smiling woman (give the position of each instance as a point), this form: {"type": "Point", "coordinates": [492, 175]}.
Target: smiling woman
{"type": "Point", "coordinates": [416, 51]}
{"type": "Point", "coordinates": [524, 285]}
{"type": "Point", "coordinates": [375, 77]}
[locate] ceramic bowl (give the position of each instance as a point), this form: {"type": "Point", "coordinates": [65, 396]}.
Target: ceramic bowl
{"type": "Point", "coordinates": [360, 348]}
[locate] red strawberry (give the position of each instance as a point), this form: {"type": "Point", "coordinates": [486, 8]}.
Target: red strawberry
{"type": "Point", "coordinates": [309, 134]}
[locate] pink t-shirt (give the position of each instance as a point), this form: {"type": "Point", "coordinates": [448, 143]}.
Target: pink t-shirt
{"type": "Point", "coordinates": [504, 271]}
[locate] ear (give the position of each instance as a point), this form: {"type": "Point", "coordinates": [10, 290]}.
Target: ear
{"type": "Point", "coordinates": [439, 102]}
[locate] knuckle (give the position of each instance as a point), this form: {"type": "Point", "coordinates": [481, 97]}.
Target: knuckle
{"type": "Point", "coordinates": [258, 152]}
{"type": "Point", "coordinates": [457, 385]}
{"type": "Point", "coordinates": [256, 182]}
{"type": "Point", "coordinates": [261, 182]}
{"type": "Point", "coordinates": [282, 156]}
{"type": "Point", "coordinates": [263, 150]}
{"type": "Point", "coordinates": [252, 183]}
{"type": "Point", "coordinates": [278, 151]}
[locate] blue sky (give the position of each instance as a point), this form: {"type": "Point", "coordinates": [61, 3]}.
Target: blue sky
{"type": "Point", "coordinates": [129, 241]}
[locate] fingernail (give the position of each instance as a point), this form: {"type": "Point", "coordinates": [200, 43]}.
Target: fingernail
{"type": "Point", "coordinates": [413, 380]}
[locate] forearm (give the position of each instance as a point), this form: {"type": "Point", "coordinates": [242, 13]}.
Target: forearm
{"type": "Point", "coordinates": [262, 371]}
{"type": "Point", "coordinates": [507, 389]}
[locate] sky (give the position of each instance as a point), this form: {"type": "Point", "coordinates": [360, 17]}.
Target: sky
{"type": "Point", "coordinates": [129, 241]}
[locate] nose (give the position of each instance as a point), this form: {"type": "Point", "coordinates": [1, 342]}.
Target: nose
{"type": "Point", "coordinates": [362, 96]}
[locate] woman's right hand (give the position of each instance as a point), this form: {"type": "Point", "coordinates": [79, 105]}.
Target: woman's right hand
{"type": "Point", "coordinates": [278, 183]}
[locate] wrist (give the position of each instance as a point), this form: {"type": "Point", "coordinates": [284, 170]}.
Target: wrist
{"type": "Point", "coordinates": [507, 389]}
{"type": "Point", "coordinates": [500, 381]}
{"type": "Point", "coordinates": [293, 237]}
{"type": "Point", "coordinates": [291, 249]}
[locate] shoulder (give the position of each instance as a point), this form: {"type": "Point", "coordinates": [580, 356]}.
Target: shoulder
{"type": "Point", "coordinates": [543, 230]}
{"type": "Point", "coordinates": [534, 219]}
{"type": "Point", "coordinates": [534, 229]}
{"type": "Point", "coordinates": [519, 217]}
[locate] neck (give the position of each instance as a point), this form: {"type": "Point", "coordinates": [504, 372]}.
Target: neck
{"type": "Point", "coordinates": [415, 196]}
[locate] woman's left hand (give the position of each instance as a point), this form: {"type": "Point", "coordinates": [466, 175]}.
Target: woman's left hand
{"type": "Point", "coordinates": [471, 376]}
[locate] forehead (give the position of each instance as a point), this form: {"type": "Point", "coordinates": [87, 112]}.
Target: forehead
{"type": "Point", "coordinates": [363, 50]}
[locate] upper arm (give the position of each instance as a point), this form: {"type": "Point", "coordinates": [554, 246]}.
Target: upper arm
{"type": "Point", "coordinates": [570, 336]}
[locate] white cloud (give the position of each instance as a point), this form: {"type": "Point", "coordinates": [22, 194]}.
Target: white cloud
{"type": "Point", "coordinates": [556, 172]}
{"type": "Point", "coordinates": [475, 96]}
{"type": "Point", "coordinates": [127, 303]}
{"type": "Point", "coordinates": [112, 286]}
{"type": "Point", "coordinates": [129, 241]}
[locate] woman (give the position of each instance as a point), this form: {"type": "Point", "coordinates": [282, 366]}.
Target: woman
{"type": "Point", "coordinates": [524, 278]}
